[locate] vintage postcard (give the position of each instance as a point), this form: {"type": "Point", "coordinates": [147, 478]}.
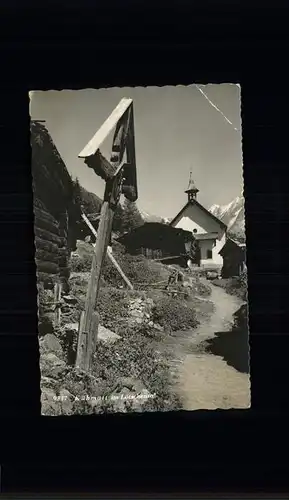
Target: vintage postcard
{"type": "Point", "coordinates": [140, 249]}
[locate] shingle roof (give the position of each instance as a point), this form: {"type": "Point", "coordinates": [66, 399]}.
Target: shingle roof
{"type": "Point", "coordinates": [156, 228]}
{"type": "Point", "coordinates": [231, 242]}
{"type": "Point", "coordinates": [206, 236]}
{"type": "Point", "coordinates": [195, 202]}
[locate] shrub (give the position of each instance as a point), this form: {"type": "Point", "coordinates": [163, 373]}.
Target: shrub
{"type": "Point", "coordinates": [244, 284]}
{"type": "Point", "coordinates": [203, 289]}
{"type": "Point", "coordinates": [241, 318]}
{"type": "Point", "coordinates": [112, 306]}
{"type": "Point", "coordinates": [173, 314]}
{"type": "Point", "coordinates": [137, 268]}
{"type": "Point", "coordinates": [81, 264]}
{"type": "Point", "coordinates": [234, 286]}
{"type": "Point", "coordinates": [45, 302]}
{"type": "Point", "coordinates": [134, 357]}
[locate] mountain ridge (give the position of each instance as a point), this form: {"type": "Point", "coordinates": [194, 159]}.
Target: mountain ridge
{"type": "Point", "coordinates": [233, 215]}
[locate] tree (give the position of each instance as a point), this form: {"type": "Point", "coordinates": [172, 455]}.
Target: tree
{"type": "Point", "coordinates": [76, 192]}
{"type": "Point", "coordinates": [117, 219]}
{"type": "Point", "coordinates": [131, 218]}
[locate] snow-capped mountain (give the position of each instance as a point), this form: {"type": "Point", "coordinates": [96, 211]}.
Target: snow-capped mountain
{"type": "Point", "coordinates": [146, 216]}
{"type": "Point", "coordinates": [153, 218]}
{"type": "Point", "coordinates": [233, 215]}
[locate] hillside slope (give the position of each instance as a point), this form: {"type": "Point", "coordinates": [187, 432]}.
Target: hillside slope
{"type": "Point", "coordinates": [127, 214]}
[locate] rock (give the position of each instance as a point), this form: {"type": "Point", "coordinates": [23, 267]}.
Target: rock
{"type": "Point", "coordinates": [158, 327]}
{"type": "Point", "coordinates": [52, 366]}
{"type": "Point", "coordinates": [107, 335]}
{"type": "Point", "coordinates": [47, 394]}
{"type": "Point", "coordinates": [66, 309]}
{"type": "Point", "coordinates": [70, 300]}
{"type": "Point", "coordinates": [145, 394]}
{"type": "Point", "coordinates": [73, 327]}
{"type": "Point", "coordinates": [67, 400]}
{"type": "Point", "coordinates": [132, 384]}
{"type": "Point", "coordinates": [66, 394]}
{"type": "Point", "coordinates": [53, 404]}
{"type": "Point", "coordinates": [49, 405]}
{"type": "Point", "coordinates": [134, 312]}
{"type": "Point", "coordinates": [95, 403]}
{"type": "Point", "coordinates": [50, 343]}
{"type": "Point", "coordinates": [127, 400]}
{"type": "Point", "coordinates": [48, 382]}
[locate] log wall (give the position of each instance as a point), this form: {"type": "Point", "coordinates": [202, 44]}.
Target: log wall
{"type": "Point", "coordinates": [51, 248]}
{"type": "Point", "coordinates": [64, 251]}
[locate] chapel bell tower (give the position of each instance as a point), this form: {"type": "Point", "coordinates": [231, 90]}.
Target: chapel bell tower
{"type": "Point", "coordinates": [192, 189]}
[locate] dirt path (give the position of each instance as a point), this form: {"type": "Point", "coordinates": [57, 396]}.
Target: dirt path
{"type": "Point", "coordinates": [202, 380]}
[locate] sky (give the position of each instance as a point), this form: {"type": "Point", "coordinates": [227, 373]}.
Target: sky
{"type": "Point", "coordinates": [176, 131]}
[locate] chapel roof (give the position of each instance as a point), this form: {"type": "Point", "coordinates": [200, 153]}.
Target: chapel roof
{"type": "Point", "coordinates": [206, 236]}
{"type": "Point", "coordinates": [196, 203]}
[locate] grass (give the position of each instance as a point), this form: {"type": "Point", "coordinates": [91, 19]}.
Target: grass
{"type": "Point", "coordinates": [138, 269]}
{"type": "Point", "coordinates": [234, 286]}
{"type": "Point", "coordinates": [174, 314]}
{"type": "Point", "coordinates": [134, 354]}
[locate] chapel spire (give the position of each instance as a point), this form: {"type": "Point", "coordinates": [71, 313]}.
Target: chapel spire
{"type": "Point", "coordinates": [192, 189]}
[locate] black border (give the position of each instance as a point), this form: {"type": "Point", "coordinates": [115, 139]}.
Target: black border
{"type": "Point", "coordinates": [49, 46]}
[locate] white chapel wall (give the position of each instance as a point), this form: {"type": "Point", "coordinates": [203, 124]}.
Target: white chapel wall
{"type": "Point", "coordinates": [206, 245]}
{"type": "Point", "coordinates": [194, 218]}
{"type": "Point", "coordinates": [218, 259]}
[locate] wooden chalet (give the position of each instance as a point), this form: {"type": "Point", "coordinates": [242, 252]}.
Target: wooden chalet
{"type": "Point", "coordinates": [160, 242]}
{"type": "Point", "coordinates": [234, 258]}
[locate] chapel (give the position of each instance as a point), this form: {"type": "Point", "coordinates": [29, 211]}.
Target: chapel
{"type": "Point", "coordinates": [209, 231]}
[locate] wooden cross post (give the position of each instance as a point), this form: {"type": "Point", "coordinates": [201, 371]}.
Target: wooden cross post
{"type": "Point", "coordinates": [116, 174]}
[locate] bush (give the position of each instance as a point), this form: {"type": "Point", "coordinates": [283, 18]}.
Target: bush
{"type": "Point", "coordinates": [234, 286]}
{"type": "Point", "coordinates": [134, 357]}
{"type": "Point", "coordinates": [112, 306]}
{"type": "Point", "coordinates": [173, 314]}
{"type": "Point", "coordinates": [244, 284]}
{"type": "Point", "coordinates": [81, 264]}
{"type": "Point", "coordinates": [203, 290]}
{"type": "Point", "coordinates": [137, 268]}
{"type": "Point", "coordinates": [241, 318]}
{"type": "Point", "coordinates": [45, 302]}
